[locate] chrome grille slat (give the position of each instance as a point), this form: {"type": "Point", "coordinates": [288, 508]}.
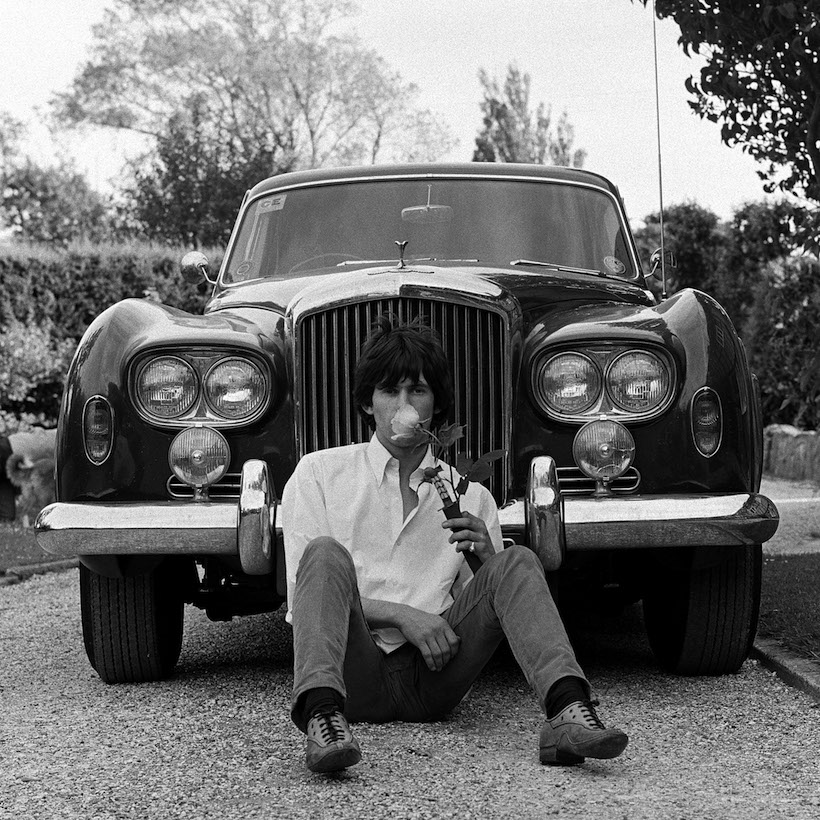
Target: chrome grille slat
{"type": "Point", "coordinates": [475, 341]}
{"type": "Point", "coordinates": [571, 481]}
{"type": "Point", "coordinates": [227, 487]}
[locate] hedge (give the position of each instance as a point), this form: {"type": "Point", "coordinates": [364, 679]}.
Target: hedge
{"type": "Point", "coordinates": [70, 287]}
{"type": "Point", "coordinates": [781, 335]}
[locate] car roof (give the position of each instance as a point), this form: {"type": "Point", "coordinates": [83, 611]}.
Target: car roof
{"type": "Point", "coordinates": [467, 169]}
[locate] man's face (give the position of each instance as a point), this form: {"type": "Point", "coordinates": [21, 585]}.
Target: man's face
{"type": "Point", "coordinates": [393, 405]}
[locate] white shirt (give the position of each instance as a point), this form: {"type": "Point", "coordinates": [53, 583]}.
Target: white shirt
{"type": "Point", "coordinates": [352, 494]}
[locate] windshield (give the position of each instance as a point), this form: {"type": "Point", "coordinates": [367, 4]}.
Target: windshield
{"type": "Point", "coordinates": [491, 221]}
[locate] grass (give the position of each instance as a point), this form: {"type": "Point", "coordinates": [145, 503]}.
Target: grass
{"type": "Point", "coordinates": [789, 606]}
{"type": "Point", "coordinates": [18, 547]}
{"type": "Point", "coordinates": [790, 603]}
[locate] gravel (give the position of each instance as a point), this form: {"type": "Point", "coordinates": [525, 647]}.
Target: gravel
{"type": "Point", "coordinates": [216, 740]}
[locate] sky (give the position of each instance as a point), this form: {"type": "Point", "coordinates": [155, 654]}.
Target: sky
{"type": "Point", "coordinates": [591, 58]}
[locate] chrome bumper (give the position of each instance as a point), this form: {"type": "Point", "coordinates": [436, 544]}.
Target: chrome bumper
{"type": "Point", "coordinates": [244, 530]}
{"type": "Point", "coordinates": [549, 523]}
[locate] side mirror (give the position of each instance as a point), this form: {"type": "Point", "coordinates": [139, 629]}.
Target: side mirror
{"type": "Point", "coordinates": [655, 261]}
{"type": "Point", "coordinates": [195, 267]}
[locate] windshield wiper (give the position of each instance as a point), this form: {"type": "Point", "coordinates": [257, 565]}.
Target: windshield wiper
{"type": "Point", "coordinates": [554, 266]}
{"type": "Point", "coordinates": [350, 262]}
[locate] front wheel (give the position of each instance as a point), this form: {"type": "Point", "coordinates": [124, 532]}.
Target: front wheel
{"type": "Point", "coordinates": [702, 620]}
{"type": "Point", "coordinates": [132, 627]}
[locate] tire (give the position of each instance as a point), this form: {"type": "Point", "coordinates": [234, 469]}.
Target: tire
{"type": "Point", "coordinates": [702, 620]}
{"type": "Point", "coordinates": [132, 627]}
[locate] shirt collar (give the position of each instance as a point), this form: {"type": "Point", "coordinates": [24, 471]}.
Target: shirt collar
{"type": "Point", "coordinates": [379, 457]}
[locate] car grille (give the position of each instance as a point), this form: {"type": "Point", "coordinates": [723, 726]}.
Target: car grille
{"type": "Point", "coordinates": [475, 340]}
{"type": "Point", "coordinates": [571, 481]}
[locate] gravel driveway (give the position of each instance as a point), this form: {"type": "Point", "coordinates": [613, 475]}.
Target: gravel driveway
{"type": "Point", "coordinates": [216, 742]}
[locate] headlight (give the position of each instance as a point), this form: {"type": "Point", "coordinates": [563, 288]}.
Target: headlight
{"type": "Point", "coordinates": [568, 383]}
{"type": "Point", "coordinates": [199, 456]}
{"type": "Point", "coordinates": [167, 387]}
{"type": "Point", "coordinates": [638, 381]}
{"type": "Point", "coordinates": [235, 388]}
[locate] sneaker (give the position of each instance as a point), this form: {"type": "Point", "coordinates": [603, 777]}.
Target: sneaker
{"type": "Point", "coordinates": [577, 733]}
{"type": "Point", "coordinates": [330, 743]}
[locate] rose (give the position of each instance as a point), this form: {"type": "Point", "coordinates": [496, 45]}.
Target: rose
{"type": "Point", "coordinates": [407, 426]}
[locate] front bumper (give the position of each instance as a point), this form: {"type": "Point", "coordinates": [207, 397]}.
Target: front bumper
{"type": "Point", "coordinates": [549, 523]}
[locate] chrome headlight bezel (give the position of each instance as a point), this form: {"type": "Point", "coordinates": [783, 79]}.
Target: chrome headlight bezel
{"type": "Point", "coordinates": [203, 361]}
{"type": "Point", "coordinates": [604, 357]}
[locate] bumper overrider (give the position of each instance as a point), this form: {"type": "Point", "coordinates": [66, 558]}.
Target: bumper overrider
{"type": "Point", "coordinates": [550, 524]}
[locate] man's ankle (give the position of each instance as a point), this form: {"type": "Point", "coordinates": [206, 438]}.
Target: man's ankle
{"type": "Point", "coordinates": [321, 699]}
{"type": "Point", "coordinates": [564, 691]}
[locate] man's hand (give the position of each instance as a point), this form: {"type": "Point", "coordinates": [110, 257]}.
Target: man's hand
{"type": "Point", "coordinates": [432, 635]}
{"type": "Point", "coordinates": [470, 531]}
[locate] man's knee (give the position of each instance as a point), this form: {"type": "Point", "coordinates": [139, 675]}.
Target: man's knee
{"type": "Point", "coordinates": [517, 558]}
{"type": "Point", "coordinates": [520, 555]}
{"type": "Point", "coordinates": [329, 553]}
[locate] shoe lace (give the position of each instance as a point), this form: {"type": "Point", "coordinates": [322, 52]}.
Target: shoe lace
{"type": "Point", "coordinates": [330, 726]}
{"type": "Point", "coordinates": [589, 715]}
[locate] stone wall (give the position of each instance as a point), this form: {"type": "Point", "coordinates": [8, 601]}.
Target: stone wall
{"type": "Point", "coordinates": [791, 453]}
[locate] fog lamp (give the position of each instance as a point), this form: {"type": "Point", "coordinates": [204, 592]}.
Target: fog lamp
{"type": "Point", "coordinates": [199, 456]}
{"type": "Point", "coordinates": [603, 450]}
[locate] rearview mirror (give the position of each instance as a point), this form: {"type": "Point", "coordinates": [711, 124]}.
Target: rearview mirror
{"type": "Point", "coordinates": [195, 267]}
{"type": "Point", "coordinates": [427, 214]}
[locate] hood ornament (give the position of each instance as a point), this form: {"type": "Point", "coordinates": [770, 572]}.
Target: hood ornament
{"type": "Point", "coordinates": [401, 247]}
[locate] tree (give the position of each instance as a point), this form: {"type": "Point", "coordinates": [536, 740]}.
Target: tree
{"type": "Point", "coordinates": [758, 234]}
{"type": "Point", "coordinates": [761, 80]}
{"type": "Point", "coordinates": [188, 190]}
{"type": "Point", "coordinates": [513, 133]}
{"type": "Point", "coordinates": [272, 73]}
{"type": "Point", "coordinates": [696, 237]}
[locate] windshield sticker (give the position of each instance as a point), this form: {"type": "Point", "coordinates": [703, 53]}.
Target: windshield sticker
{"type": "Point", "coordinates": [614, 265]}
{"type": "Point", "coordinates": [273, 203]}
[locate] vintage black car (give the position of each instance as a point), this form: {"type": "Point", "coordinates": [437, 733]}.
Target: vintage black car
{"type": "Point", "coordinates": [631, 425]}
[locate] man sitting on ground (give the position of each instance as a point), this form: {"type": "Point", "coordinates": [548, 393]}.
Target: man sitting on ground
{"type": "Point", "coordinates": [382, 628]}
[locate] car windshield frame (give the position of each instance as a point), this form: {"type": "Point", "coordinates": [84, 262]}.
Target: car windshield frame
{"type": "Point", "coordinates": [326, 226]}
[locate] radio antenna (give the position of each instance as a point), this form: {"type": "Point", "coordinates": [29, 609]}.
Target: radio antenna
{"type": "Point", "coordinates": [660, 163]}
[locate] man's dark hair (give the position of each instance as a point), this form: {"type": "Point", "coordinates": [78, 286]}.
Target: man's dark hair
{"type": "Point", "coordinates": [394, 352]}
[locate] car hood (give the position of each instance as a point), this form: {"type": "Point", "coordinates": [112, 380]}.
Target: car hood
{"type": "Point", "coordinates": [531, 290]}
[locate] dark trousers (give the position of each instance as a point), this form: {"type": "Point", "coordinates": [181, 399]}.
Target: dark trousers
{"type": "Point", "coordinates": [333, 646]}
